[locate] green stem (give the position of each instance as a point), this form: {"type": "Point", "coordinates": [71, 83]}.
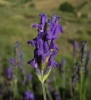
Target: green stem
{"type": "Point", "coordinates": [85, 89]}
{"type": "Point", "coordinates": [48, 92]}
{"type": "Point", "coordinates": [14, 90]}
{"type": "Point", "coordinates": [15, 86]}
{"type": "Point", "coordinates": [64, 83]}
{"type": "Point", "coordinates": [44, 92]}
{"type": "Point", "coordinates": [55, 83]}
{"type": "Point", "coordinates": [54, 79]}
{"type": "Point", "coordinates": [43, 86]}
{"type": "Point", "coordinates": [81, 86]}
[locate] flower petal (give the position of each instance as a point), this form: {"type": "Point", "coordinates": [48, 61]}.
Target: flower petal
{"type": "Point", "coordinates": [32, 42]}
{"type": "Point", "coordinates": [52, 63]}
{"type": "Point", "coordinates": [33, 63]}
{"type": "Point", "coordinates": [35, 25]}
{"type": "Point", "coordinates": [43, 18]}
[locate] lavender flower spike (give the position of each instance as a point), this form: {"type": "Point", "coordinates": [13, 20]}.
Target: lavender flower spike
{"type": "Point", "coordinates": [62, 65]}
{"type": "Point", "coordinates": [45, 44]}
{"type": "Point", "coordinates": [30, 77]}
{"type": "Point", "coordinates": [12, 61]}
{"type": "Point", "coordinates": [9, 73]}
{"type": "Point", "coordinates": [57, 96]}
{"type": "Point", "coordinates": [29, 96]}
{"type": "Point", "coordinates": [75, 48]}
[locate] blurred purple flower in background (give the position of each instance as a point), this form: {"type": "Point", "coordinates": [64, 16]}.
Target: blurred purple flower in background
{"type": "Point", "coordinates": [62, 65]}
{"type": "Point", "coordinates": [49, 84]}
{"type": "Point", "coordinates": [12, 62]}
{"type": "Point", "coordinates": [75, 48]}
{"type": "Point", "coordinates": [88, 63]}
{"type": "Point", "coordinates": [9, 73]}
{"type": "Point", "coordinates": [57, 96]}
{"type": "Point", "coordinates": [17, 62]}
{"type": "Point", "coordinates": [30, 76]}
{"type": "Point", "coordinates": [19, 56]}
{"type": "Point", "coordinates": [29, 95]}
{"type": "Point", "coordinates": [49, 81]}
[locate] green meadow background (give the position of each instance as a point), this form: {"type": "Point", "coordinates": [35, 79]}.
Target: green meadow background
{"type": "Point", "coordinates": [17, 17]}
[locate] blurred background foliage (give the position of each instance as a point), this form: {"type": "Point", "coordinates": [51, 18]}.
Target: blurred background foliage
{"type": "Point", "coordinates": [17, 17]}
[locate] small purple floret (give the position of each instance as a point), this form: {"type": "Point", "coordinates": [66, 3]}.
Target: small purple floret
{"type": "Point", "coordinates": [12, 61]}
{"type": "Point", "coordinates": [9, 73]}
{"type": "Point", "coordinates": [75, 47]}
{"type": "Point", "coordinates": [57, 96]}
{"type": "Point", "coordinates": [30, 77]}
{"type": "Point", "coordinates": [29, 95]}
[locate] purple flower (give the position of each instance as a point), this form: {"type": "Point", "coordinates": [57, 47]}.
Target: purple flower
{"type": "Point", "coordinates": [63, 62]}
{"type": "Point", "coordinates": [41, 25]}
{"type": "Point", "coordinates": [57, 96]}
{"type": "Point", "coordinates": [30, 77]}
{"type": "Point", "coordinates": [49, 80]}
{"type": "Point", "coordinates": [55, 29]}
{"type": "Point", "coordinates": [9, 73]}
{"type": "Point", "coordinates": [45, 42]}
{"type": "Point", "coordinates": [33, 63]}
{"type": "Point", "coordinates": [75, 47]}
{"type": "Point", "coordinates": [19, 56]}
{"type": "Point", "coordinates": [17, 61]}
{"type": "Point", "coordinates": [88, 62]}
{"type": "Point", "coordinates": [29, 95]}
{"type": "Point", "coordinates": [12, 61]}
{"type": "Point", "coordinates": [51, 89]}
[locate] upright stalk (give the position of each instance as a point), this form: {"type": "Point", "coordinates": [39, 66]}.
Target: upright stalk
{"type": "Point", "coordinates": [43, 87]}
{"type": "Point", "coordinates": [55, 83]}
{"type": "Point", "coordinates": [48, 92]}
{"type": "Point", "coordinates": [63, 92]}
{"type": "Point", "coordinates": [15, 86]}
{"type": "Point", "coordinates": [44, 92]}
{"type": "Point", "coordinates": [81, 86]}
